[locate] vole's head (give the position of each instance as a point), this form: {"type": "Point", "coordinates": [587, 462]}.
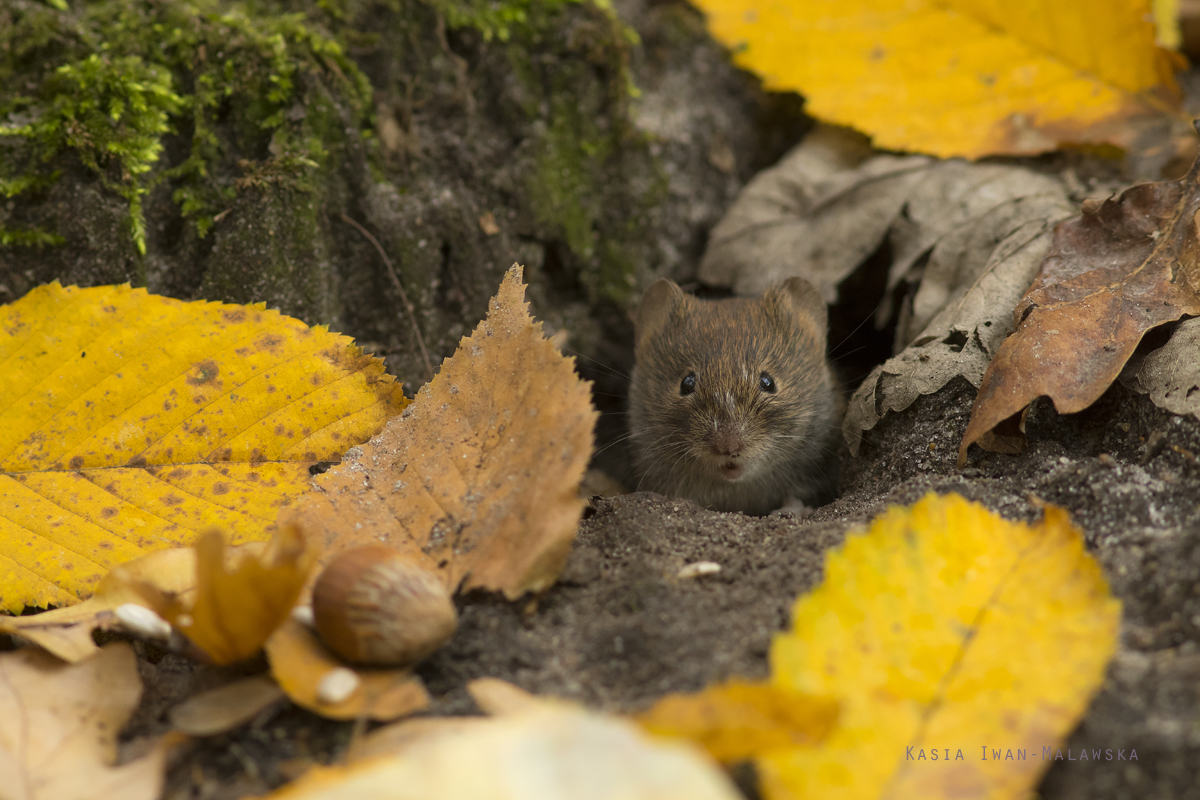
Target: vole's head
{"type": "Point", "coordinates": [728, 389]}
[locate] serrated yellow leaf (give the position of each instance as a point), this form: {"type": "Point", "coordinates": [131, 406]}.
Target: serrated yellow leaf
{"type": "Point", "coordinates": [944, 628]}
{"type": "Point", "coordinates": [129, 422]}
{"type": "Point", "coordinates": [959, 77]}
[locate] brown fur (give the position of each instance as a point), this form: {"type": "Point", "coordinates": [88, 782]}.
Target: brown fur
{"type": "Point", "coordinates": [781, 442]}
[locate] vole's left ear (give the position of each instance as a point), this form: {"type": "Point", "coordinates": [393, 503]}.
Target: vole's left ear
{"type": "Point", "coordinates": [800, 299]}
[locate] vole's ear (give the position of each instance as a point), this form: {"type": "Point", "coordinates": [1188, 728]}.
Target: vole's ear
{"type": "Point", "coordinates": [800, 299]}
{"type": "Point", "coordinates": [655, 308]}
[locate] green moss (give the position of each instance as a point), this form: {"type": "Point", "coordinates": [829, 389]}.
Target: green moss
{"type": "Point", "coordinates": [495, 20]}
{"type": "Point", "coordinates": [107, 82]}
{"type": "Point", "coordinates": [585, 189]}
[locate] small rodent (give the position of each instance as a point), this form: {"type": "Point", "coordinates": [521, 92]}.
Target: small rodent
{"type": "Point", "coordinates": [732, 402]}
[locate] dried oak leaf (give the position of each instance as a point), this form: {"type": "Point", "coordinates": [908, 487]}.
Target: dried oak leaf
{"type": "Point", "coordinates": [59, 725]}
{"type": "Point", "coordinates": [477, 480]}
{"type": "Point", "coordinates": [940, 627]}
{"type": "Point", "coordinates": [130, 422]}
{"type": "Point", "coordinates": [1124, 266]}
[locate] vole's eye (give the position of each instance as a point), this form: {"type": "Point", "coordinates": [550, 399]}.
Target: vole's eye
{"type": "Point", "coordinates": [766, 383]}
{"type": "Point", "coordinates": [688, 384]}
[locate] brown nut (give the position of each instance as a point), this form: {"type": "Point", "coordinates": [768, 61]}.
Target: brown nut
{"type": "Point", "coordinates": [372, 605]}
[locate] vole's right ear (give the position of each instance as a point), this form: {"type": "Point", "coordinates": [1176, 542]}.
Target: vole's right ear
{"type": "Point", "coordinates": [655, 308]}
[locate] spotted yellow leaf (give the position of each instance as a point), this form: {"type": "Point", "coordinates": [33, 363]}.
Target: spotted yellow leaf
{"type": "Point", "coordinates": [129, 422]}
{"type": "Point", "coordinates": [942, 629]}
{"type": "Point", "coordinates": [960, 77]}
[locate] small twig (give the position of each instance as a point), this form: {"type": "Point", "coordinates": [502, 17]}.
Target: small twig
{"type": "Point", "coordinates": [462, 78]}
{"type": "Point", "coordinates": [412, 314]}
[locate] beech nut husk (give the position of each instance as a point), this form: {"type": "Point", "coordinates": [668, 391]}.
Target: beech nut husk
{"type": "Point", "coordinates": [373, 605]}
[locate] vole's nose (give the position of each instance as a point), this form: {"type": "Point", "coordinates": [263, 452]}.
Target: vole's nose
{"type": "Point", "coordinates": [727, 442]}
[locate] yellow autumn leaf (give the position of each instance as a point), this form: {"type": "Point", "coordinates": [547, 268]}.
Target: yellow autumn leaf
{"type": "Point", "coordinates": [959, 77]}
{"type": "Point", "coordinates": [737, 720]}
{"type": "Point", "coordinates": [129, 422]}
{"type": "Point", "coordinates": [303, 665]}
{"type": "Point", "coordinates": [942, 629]}
{"type": "Point", "coordinates": [235, 608]}
{"type": "Point", "coordinates": [226, 601]}
{"type": "Point", "coordinates": [67, 632]}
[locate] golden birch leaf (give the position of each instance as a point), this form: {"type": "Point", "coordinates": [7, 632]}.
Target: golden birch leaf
{"type": "Point", "coordinates": [960, 77]}
{"type": "Point", "coordinates": [129, 422]}
{"type": "Point", "coordinates": [941, 628]}
{"type": "Point", "coordinates": [478, 479]}
{"type": "Point", "coordinates": [59, 724]}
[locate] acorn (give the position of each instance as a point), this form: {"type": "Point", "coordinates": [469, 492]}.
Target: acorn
{"type": "Point", "coordinates": [373, 605]}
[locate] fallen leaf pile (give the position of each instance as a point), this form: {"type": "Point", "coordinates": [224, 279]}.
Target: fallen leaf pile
{"type": "Point", "coordinates": [965, 242]}
{"type": "Point", "coordinates": [1123, 267]}
{"type": "Point", "coordinates": [482, 476]}
{"type": "Point", "coordinates": [963, 77]}
{"type": "Point", "coordinates": [943, 627]}
{"type": "Point", "coordinates": [131, 422]}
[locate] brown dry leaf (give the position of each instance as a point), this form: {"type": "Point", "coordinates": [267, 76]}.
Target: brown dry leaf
{"type": "Point", "coordinates": [59, 725]}
{"type": "Point", "coordinates": [1171, 374]}
{"type": "Point", "coordinates": [1123, 267]}
{"type": "Point", "coordinates": [237, 606]}
{"type": "Point", "coordinates": [226, 707]}
{"type": "Point", "coordinates": [965, 242]}
{"type": "Point", "coordinates": [477, 480]}
{"type": "Point", "coordinates": [299, 662]}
